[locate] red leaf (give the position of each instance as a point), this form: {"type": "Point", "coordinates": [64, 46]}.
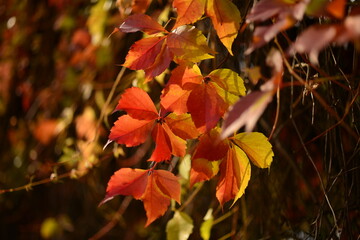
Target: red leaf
{"type": "Point", "coordinates": [154, 187]}
{"type": "Point", "coordinates": [202, 170]}
{"type": "Point", "coordinates": [246, 112]}
{"type": "Point", "coordinates": [144, 53]}
{"type": "Point", "coordinates": [235, 171]}
{"type": "Point", "coordinates": [162, 149]}
{"type": "Point", "coordinates": [206, 107]}
{"type": "Point", "coordinates": [162, 186]}
{"type": "Point", "coordinates": [188, 11]}
{"type": "Point", "coordinates": [175, 99]}
{"type": "Point", "coordinates": [178, 145]}
{"type": "Point", "coordinates": [137, 103]}
{"type": "Point", "coordinates": [141, 22]}
{"type": "Point", "coordinates": [211, 147]}
{"type": "Point", "coordinates": [126, 181]}
{"type": "Point", "coordinates": [182, 126]}
{"type": "Point", "coordinates": [161, 63]}
{"type": "Point", "coordinates": [130, 131]}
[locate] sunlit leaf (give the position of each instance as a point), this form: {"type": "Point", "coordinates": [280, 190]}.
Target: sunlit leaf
{"type": "Point", "coordinates": [137, 103]}
{"type": "Point", "coordinates": [130, 131]}
{"type": "Point", "coordinates": [202, 170]}
{"type": "Point", "coordinates": [235, 171]}
{"type": "Point", "coordinates": [229, 80]}
{"type": "Point", "coordinates": [206, 107]}
{"type": "Point", "coordinates": [189, 44]}
{"type": "Point", "coordinates": [188, 11]}
{"type": "Point", "coordinates": [182, 126]}
{"type": "Point", "coordinates": [144, 52]}
{"type": "Point", "coordinates": [141, 22]}
{"type": "Point", "coordinates": [162, 149]}
{"type": "Point", "coordinates": [205, 228]}
{"type": "Point", "coordinates": [257, 148]}
{"type": "Point", "coordinates": [225, 17]}
{"type": "Point", "coordinates": [211, 147]}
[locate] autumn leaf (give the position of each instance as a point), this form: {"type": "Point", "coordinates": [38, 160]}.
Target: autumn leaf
{"type": "Point", "coordinates": [144, 52]}
{"type": "Point", "coordinates": [130, 131]}
{"type": "Point", "coordinates": [207, 98]}
{"type": "Point", "coordinates": [155, 53]}
{"type": "Point", "coordinates": [248, 109]}
{"type": "Point", "coordinates": [137, 103]}
{"type": "Point", "coordinates": [142, 120]}
{"type": "Point", "coordinates": [154, 187]}
{"type": "Point", "coordinates": [141, 22]}
{"type": "Point", "coordinates": [246, 112]}
{"type": "Point", "coordinates": [285, 15]}
{"type": "Point", "coordinates": [206, 107]}
{"type": "Point", "coordinates": [339, 34]}
{"type": "Point", "coordinates": [235, 171]}
{"type": "Point", "coordinates": [189, 44]}
{"type": "Point", "coordinates": [188, 11]}
{"type": "Point", "coordinates": [210, 146]}
{"type": "Point", "coordinates": [224, 15]}
{"type": "Point", "coordinates": [202, 170]}
{"type": "Point", "coordinates": [182, 126]}
{"type": "Point", "coordinates": [257, 148]}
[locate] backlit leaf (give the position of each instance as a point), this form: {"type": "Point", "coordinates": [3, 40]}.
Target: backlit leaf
{"type": "Point", "coordinates": [127, 181]}
{"type": "Point", "coordinates": [188, 11]}
{"type": "Point", "coordinates": [205, 228]}
{"type": "Point", "coordinates": [130, 131]}
{"type": "Point", "coordinates": [141, 22]}
{"type": "Point", "coordinates": [202, 170]}
{"type": "Point", "coordinates": [189, 44]}
{"type": "Point", "coordinates": [175, 99]}
{"type": "Point", "coordinates": [179, 227]}
{"type": "Point", "coordinates": [144, 52]}
{"type": "Point", "coordinates": [158, 192]}
{"type": "Point", "coordinates": [162, 149]}
{"type": "Point", "coordinates": [206, 107]}
{"type": "Point", "coordinates": [211, 147]}
{"type": "Point", "coordinates": [225, 17]}
{"type": "Point", "coordinates": [235, 171]}
{"type": "Point", "coordinates": [178, 145]}
{"type": "Point", "coordinates": [137, 103]}
{"type": "Point", "coordinates": [246, 112]}
{"type": "Point", "coordinates": [229, 81]}
{"type": "Point", "coordinates": [182, 126]}
{"type": "Point", "coordinates": [257, 148]}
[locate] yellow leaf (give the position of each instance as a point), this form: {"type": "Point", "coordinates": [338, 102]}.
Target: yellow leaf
{"type": "Point", "coordinates": [257, 147]}
{"type": "Point", "coordinates": [179, 227]}
{"type": "Point", "coordinates": [229, 81]}
{"type": "Point", "coordinates": [225, 17]}
{"type": "Point", "coordinates": [189, 44]}
{"type": "Point", "coordinates": [242, 169]}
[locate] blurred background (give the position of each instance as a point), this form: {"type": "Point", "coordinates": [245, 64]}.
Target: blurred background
{"type": "Point", "coordinates": [57, 72]}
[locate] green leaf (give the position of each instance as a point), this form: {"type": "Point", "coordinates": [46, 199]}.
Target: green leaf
{"type": "Point", "coordinates": [205, 229]}
{"type": "Point", "coordinates": [179, 227]}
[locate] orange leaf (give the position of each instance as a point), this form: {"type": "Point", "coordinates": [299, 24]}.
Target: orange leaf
{"type": "Point", "coordinates": [189, 44]}
{"type": "Point", "coordinates": [127, 181]}
{"type": "Point", "coordinates": [188, 11]}
{"type": "Point", "coordinates": [225, 17]}
{"type": "Point", "coordinates": [161, 63]}
{"type": "Point", "coordinates": [137, 103]}
{"type": "Point", "coordinates": [140, 6]}
{"type": "Point", "coordinates": [144, 52]}
{"type": "Point", "coordinates": [235, 173]}
{"type": "Point", "coordinates": [206, 107]}
{"type": "Point", "coordinates": [154, 187]}
{"type": "Point", "coordinates": [182, 126]}
{"type": "Point", "coordinates": [162, 186]}
{"type": "Point", "coordinates": [130, 131]}
{"type": "Point", "coordinates": [141, 22]}
{"type": "Point", "coordinates": [178, 145]}
{"type": "Point", "coordinates": [162, 149]}
{"type": "Point", "coordinates": [211, 147]}
{"type": "Point", "coordinates": [175, 99]}
{"type": "Point", "coordinates": [202, 170]}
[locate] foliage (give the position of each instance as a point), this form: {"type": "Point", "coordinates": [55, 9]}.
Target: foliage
{"type": "Point", "coordinates": [211, 95]}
